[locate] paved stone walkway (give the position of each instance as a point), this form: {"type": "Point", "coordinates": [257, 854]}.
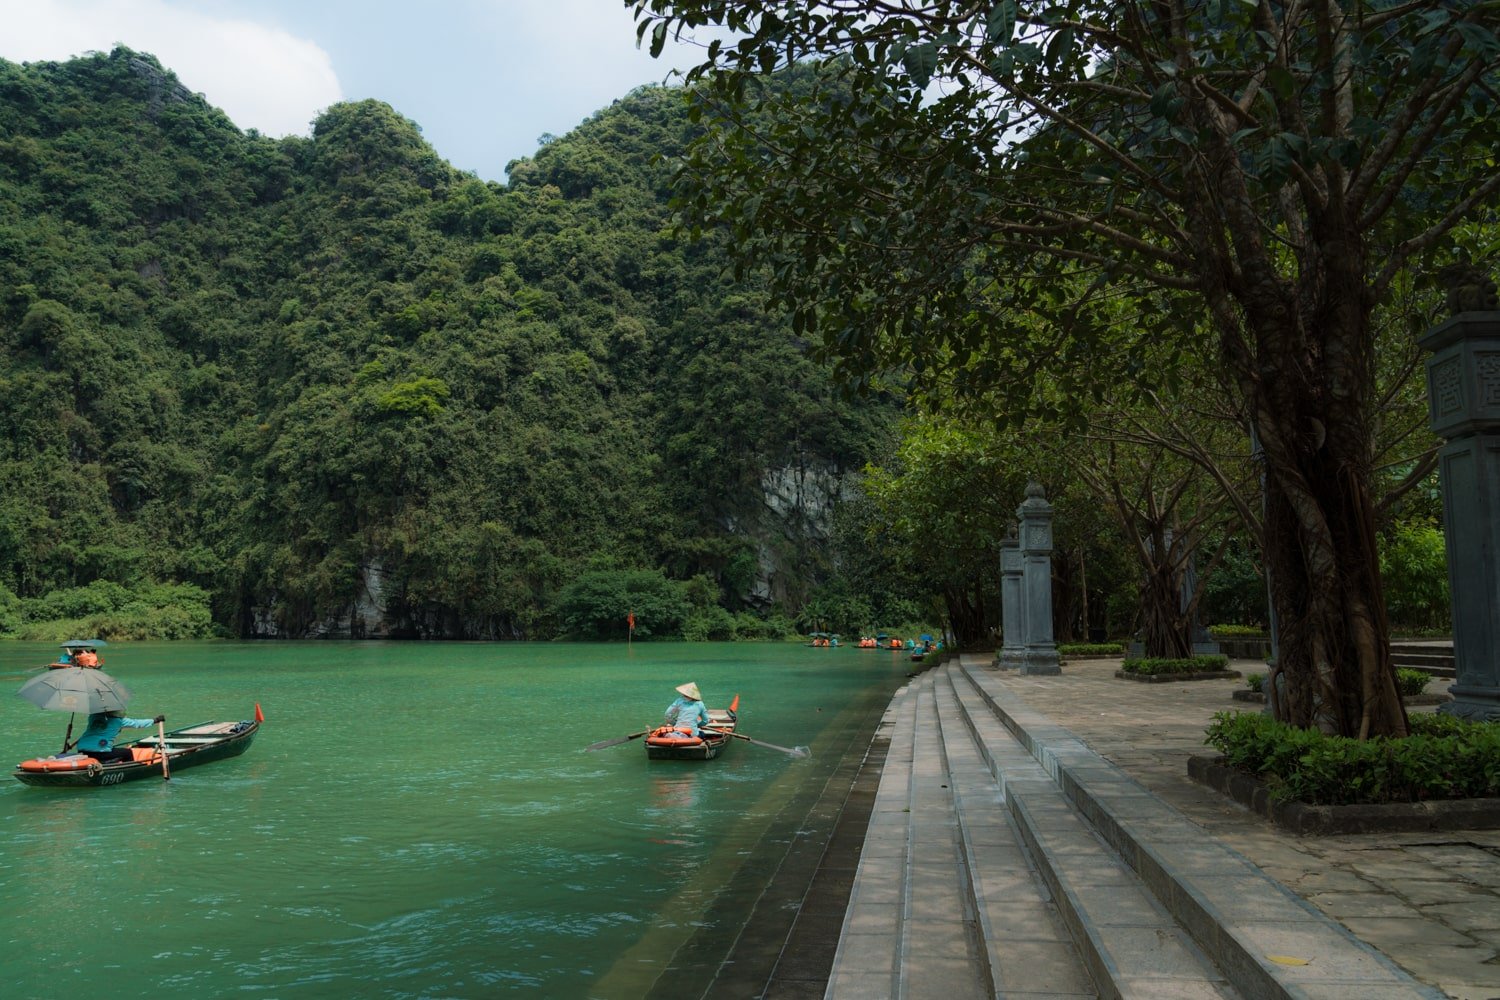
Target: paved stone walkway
{"type": "Point", "coordinates": [1428, 901]}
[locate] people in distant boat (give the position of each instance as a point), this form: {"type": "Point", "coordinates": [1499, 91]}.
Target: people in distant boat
{"type": "Point", "coordinates": [687, 712]}
{"type": "Point", "coordinates": [98, 740]}
{"type": "Point", "coordinates": [86, 658]}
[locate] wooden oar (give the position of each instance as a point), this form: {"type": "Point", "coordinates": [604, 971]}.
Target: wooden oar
{"type": "Point", "coordinates": [792, 751]}
{"type": "Point", "coordinates": [161, 746]}
{"type": "Point", "coordinates": [617, 740]}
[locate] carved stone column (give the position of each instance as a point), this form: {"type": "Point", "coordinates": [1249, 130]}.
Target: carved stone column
{"type": "Point", "coordinates": [1035, 515]}
{"type": "Point", "coordinates": [1463, 390]}
{"type": "Point", "coordinates": [1012, 607]}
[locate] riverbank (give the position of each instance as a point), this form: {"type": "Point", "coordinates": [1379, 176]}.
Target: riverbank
{"type": "Point", "coordinates": [1383, 914]}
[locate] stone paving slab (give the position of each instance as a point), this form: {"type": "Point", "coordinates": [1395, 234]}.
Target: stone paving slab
{"type": "Point", "coordinates": [1435, 883]}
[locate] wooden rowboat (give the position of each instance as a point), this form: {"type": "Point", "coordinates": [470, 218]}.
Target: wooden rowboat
{"type": "Point", "coordinates": [667, 743]}
{"type": "Point", "coordinates": [187, 747]}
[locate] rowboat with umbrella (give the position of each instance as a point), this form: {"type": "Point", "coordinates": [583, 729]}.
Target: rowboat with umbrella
{"type": "Point", "coordinates": [187, 747]}
{"type": "Point", "coordinates": [65, 687]}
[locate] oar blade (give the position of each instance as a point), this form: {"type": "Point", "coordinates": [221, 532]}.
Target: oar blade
{"type": "Point", "coordinates": [616, 741]}
{"type": "Point", "coordinates": [798, 752]}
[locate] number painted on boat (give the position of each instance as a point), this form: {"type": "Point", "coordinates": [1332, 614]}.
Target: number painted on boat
{"type": "Point", "coordinates": [112, 779]}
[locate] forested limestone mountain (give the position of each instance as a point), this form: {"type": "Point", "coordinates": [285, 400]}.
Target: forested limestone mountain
{"type": "Point", "coordinates": [349, 390]}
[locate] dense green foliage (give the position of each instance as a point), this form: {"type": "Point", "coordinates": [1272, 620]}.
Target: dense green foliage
{"type": "Point", "coordinates": [1443, 758]}
{"type": "Point", "coordinates": [1414, 566]}
{"type": "Point", "coordinates": [307, 373]}
{"type": "Point", "coordinates": [1039, 201]}
{"type": "Point", "coordinates": [109, 611]}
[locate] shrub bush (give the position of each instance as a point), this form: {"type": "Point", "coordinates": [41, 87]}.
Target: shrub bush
{"type": "Point", "coordinates": [1414, 576]}
{"type": "Point", "coordinates": [711, 624]}
{"type": "Point", "coordinates": [1192, 665]}
{"type": "Point", "coordinates": [595, 605]}
{"type": "Point", "coordinates": [109, 611]}
{"type": "Point", "coordinates": [1444, 758]}
{"type": "Point", "coordinates": [1254, 682]}
{"type": "Point", "coordinates": [1411, 682]}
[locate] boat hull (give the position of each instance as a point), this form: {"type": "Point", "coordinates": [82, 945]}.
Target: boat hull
{"type": "Point", "coordinates": [189, 747]}
{"type": "Point", "coordinates": [660, 744]}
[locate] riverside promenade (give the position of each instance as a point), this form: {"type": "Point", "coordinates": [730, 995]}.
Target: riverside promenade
{"type": "Point", "coordinates": [1038, 838]}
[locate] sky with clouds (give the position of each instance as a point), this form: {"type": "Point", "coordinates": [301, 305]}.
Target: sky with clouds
{"type": "Point", "coordinates": [483, 78]}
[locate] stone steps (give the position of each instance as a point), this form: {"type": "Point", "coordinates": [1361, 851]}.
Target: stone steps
{"type": "Point", "coordinates": [1027, 947]}
{"type": "Point", "coordinates": [1128, 943]}
{"type": "Point", "coordinates": [1436, 660]}
{"type": "Point", "coordinates": [1005, 859]}
{"type": "Point", "coordinates": [1247, 924]}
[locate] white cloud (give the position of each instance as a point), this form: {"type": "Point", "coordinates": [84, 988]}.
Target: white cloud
{"type": "Point", "coordinates": [261, 76]}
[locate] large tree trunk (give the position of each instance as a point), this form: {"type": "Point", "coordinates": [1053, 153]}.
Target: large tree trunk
{"type": "Point", "coordinates": [967, 617]}
{"type": "Point", "coordinates": [1065, 593]}
{"type": "Point", "coordinates": [1165, 630]}
{"type": "Point", "coordinates": [1308, 390]}
{"type": "Point", "coordinates": [1334, 668]}
{"type": "Point", "coordinates": [1300, 344]}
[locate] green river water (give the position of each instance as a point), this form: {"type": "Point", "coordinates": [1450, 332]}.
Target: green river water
{"type": "Point", "coordinates": [415, 819]}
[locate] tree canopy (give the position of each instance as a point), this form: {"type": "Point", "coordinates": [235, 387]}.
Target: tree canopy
{"type": "Point", "coordinates": [972, 189]}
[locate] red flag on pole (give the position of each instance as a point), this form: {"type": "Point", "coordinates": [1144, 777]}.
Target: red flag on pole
{"type": "Point", "coordinates": [259, 716]}
{"type": "Point", "coordinates": [630, 620]}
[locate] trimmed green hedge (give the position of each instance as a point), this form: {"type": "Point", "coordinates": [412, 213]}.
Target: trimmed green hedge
{"type": "Point", "coordinates": [1237, 632]}
{"type": "Point", "coordinates": [1202, 664]}
{"type": "Point", "coordinates": [1091, 649]}
{"type": "Point", "coordinates": [1444, 758]}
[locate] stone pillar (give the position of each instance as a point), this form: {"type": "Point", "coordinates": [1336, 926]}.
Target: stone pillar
{"type": "Point", "coordinates": [1035, 515]}
{"type": "Point", "coordinates": [1012, 607]}
{"type": "Point", "coordinates": [1203, 643]}
{"type": "Point", "coordinates": [1463, 399]}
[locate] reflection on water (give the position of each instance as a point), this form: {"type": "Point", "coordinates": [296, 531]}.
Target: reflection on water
{"type": "Point", "coordinates": [408, 823]}
{"type": "Point", "coordinates": [674, 803]}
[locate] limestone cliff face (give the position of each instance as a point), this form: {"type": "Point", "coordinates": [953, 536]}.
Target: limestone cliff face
{"type": "Point", "coordinates": [794, 520]}
{"type": "Point", "coordinates": [377, 610]}
{"type": "Point", "coordinates": [789, 522]}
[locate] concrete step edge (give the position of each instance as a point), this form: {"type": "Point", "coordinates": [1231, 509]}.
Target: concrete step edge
{"type": "Point", "coordinates": [856, 972]}
{"type": "Point", "coordinates": [981, 808]}
{"type": "Point", "coordinates": [936, 836]}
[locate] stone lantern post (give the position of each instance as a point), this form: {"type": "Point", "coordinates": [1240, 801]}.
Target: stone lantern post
{"type": "Point", "coordinates": [1012, 608]}
{"type": "Point", "coordinates": [1463, 398]}
{"type": "Point", "coordinates": [1035, 515]}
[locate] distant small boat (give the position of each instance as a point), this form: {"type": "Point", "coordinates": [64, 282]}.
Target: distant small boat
{"type": "Point", "coordinates": [188, 747]}
{"type": "Point", "coordinates": [668, 743]}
